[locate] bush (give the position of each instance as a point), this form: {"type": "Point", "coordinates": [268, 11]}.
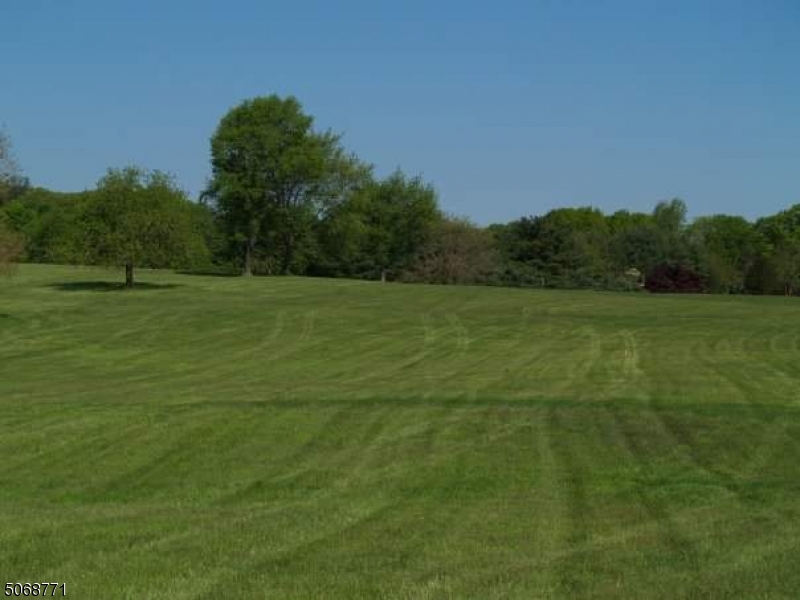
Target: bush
{"type": "Point", "coordinates": [457, 252]}
{"type": "Point", "coordinates": [51, 224]}
{"type": "Point", "coordinates": [673, 278]}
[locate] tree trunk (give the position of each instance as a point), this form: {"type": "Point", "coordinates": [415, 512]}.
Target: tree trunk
{"type": "Point", "coordinates": [129, 274]}
{"type": "Point", "coordinates": [249, 251]}
{"type": "Point", "coordinates": [383, 275]}
{"type": "Point", "coordinates": [288, 253]}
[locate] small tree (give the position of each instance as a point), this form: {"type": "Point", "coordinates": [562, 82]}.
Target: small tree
{"type": "Point", "coordinates": [12, 183]}
{"type": "Point", "coordinates": [457, 252]}
{"type": "Point", "coordinates": [139, 218]}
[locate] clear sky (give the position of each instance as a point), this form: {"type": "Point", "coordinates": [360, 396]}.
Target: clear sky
{"type": "Point", "coordinates": [509, 107]}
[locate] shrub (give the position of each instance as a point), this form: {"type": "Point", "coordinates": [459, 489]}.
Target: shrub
{"type": "Point", "coordinates": [673, 278]}
{"type": "Point", "coordinates": [10, 248]}
{"type": "Point", "coordinates": [458, 252]}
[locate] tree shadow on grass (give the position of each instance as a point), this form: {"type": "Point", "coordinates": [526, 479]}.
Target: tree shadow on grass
{"type": "Point", "coordinates": [222, 272]}
{"type": "Point", "coordinates": [108, 286]}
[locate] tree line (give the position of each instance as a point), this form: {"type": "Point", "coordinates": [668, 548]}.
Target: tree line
{"type": "Point", "coordinates": [286, 198]}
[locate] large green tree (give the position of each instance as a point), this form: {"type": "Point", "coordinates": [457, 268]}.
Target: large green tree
{"type": "Point", "coordinates": [634, 243]}
{"type": "Point", "coordinates": [380, 229]}
{"type": "Point", "coordinates": [670, 222]}
{"type": "Point", "coordinates": [565, 247]}
{"type": "Point", "coordinates": [777, 269]}
{"type": "Point", "coordinates": [140, 218]}
{"type": "Point", "coordinates": [272, 173]}
{"type": "Point", "coordinates": [724, 249]}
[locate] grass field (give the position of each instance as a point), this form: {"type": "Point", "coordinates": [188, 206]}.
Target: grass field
{"type": "Point", "coordinates": [211, 437]}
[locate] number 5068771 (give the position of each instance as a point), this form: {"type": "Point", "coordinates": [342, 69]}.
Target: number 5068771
{"type": "Point", "coordinates": [36, 589]}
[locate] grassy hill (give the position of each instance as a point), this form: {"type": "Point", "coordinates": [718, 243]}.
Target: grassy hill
{"type": "Point", "coordinates": [211, 437]}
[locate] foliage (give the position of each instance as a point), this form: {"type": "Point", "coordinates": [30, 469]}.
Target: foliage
{"type": "Point", "coordinates": [10, 248]}
{"type": "Point", "coordinates": [777, 268]}
{"type": "Point", "coordinates": [380, 229]}
{"type": "Point", "coordinates": [272, 173]}
{"type": "Point", "coordinates": [140, 218]}
{"type": "Point", "coordinates": [564, 248]}
{"type": "Point", "coordinates": [724, 249]}
{"type": "Point", "coordinates": [633, 241]}
{"type": "Point", "coordinates": [457, 252]}
{"type": "Point", "coordinates": [286, 198]}
{"type": "Point", "coordinates": [673, 278]}
{"type": "Point", "coordinates": [52, 224]}
{"type": "Point", "coordinates": [12, 183]}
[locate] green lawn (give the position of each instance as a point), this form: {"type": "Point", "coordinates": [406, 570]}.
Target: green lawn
{"type": "Point", "coordinates": [212, 437]}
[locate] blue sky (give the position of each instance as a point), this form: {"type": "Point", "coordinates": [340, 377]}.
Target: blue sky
{"type": "Point", "coordinates": [508, 107]}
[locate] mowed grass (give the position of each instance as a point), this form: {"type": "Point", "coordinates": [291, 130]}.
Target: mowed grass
{"type": "Point", "coordinates": [211, 437]}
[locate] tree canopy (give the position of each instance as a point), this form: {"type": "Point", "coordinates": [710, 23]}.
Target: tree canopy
{"type": "Point", "coordinates": [287, 198]}
{"type": "Point", "coordinates": [377, 232]}
{"type": "Point", "coordinates": [272, 173]}
{"type": "Point", "coordinates": [139, 218]}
